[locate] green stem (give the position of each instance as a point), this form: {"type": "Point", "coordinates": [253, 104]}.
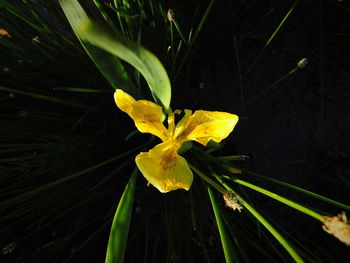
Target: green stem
{"type": "Point", "coordinates": [208, 180]}
{"type": "Point", "coordinates": [285, 76]}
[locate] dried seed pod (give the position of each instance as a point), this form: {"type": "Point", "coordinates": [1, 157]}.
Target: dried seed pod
{"type": "Point", "coordinates": [232, 202]}
{"type": "Point", "coordinates": [338, 227]}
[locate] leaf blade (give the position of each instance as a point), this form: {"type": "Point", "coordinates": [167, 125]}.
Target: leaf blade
{"type": "Point", "coordinates": [140, 58]}
{"type": "Point", "coordinates": [120, 227]}
{"type": "Point", "coordinates": [228, 248]}
{"type": "Point", "coordinates": [108, 64]}
{"type": "Point", "coordinates": [136, 55]}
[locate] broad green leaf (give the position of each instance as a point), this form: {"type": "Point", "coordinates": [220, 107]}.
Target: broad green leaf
{"type": "Point", "coordinates": [140, 58]}
{"type": "Point", "coordinates": [136, 55]}
{"type": "Point", "coordinates": [120, 227]}
{"type": "Point", "coordinates": [108, 64]}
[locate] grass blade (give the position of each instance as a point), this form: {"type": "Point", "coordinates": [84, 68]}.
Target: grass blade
{"type": "Point", "coordinates": [120, 227]}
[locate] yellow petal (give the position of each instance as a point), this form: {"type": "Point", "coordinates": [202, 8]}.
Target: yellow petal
{"type": "Point", "coordinates": [171, 122]}
{"type": "Point", "coordinates": [204, 126]}
{"type": "Point", "coordinates": [146, 114]}
{"type": "Point", "coordinates": [182, 124]}
{"type": "Point", "coordinates": [164, 168]}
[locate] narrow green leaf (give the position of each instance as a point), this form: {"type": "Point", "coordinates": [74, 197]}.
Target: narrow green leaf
{"type": "Point", "coordinates": [120, 227]}
{"type": "Point", "coordinates": [288, 247]}
{"type": "Point", "coordinates": [227, 245]}
{"type": "Point", "coordinates": [292, 252]}
{"type": "Point", "coordinates": [108, 64]}
{"type": "Point", "coordinates": [201, 23]}
{"type": "Point", "coordinates": [12, 9]}
{"type": "Point", "coordinates": [29, 194]}
{"type": "Point", "coordinates": [44, 97]}
{"type": "Point", "coordinates": [281, 199]}
{"type": "Point", "coordinates": [104, 14]}
{"type": "Point", "coordinates": [238, 238]}
{"type": "Point", "coordinates": [271, 38]}
{"type": "Point", "coordinates": [281, 23]}
{"type": "Point", "coordinates": [300, 189]}
{"type": "Point", "coordinates": [82, 90]}
{"type": "Point", "coordinates": [274, 84]}
{"type": "Point", "coordinates": [136, 55]}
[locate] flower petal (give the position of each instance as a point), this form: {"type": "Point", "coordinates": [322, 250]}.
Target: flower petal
{"type": "Point", "coordinates": [164, 168]}
{"type": "Point", "coordinates": [182, 124]}
{"type": "Point", "coordinates": [146, 114]}
{"type": "Point", "coordinates": [203, 126]}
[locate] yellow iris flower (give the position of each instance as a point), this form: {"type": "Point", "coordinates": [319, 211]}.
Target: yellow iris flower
{"type": "Point", "coordinates": [162, 166]}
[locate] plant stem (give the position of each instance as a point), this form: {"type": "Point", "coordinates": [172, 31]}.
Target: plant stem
{"type": "Point", "coordinates": [208, 180]}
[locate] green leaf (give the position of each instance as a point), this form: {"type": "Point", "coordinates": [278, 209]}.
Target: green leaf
{"type": "Point", "coordinates": [140, 58]}
{"type": "Point", "coordinates": [299, 189]}
{"type": "Point", "coordinates": [281, 199]}
{"type": "Point", "coordinates": [284, 242]}
{"type": "Point", "coordinates": [120, 227]}
{"type": "Point", "coordinates": [44, 97]}
{"type": "Point", "coordinates": [273, 35]}
{"type": "Point", "coordinates": [108, 64]}
{"type": "Point", "coordinates": [136, 55]}
{"type": "Point", "coordinates": [229, 250]}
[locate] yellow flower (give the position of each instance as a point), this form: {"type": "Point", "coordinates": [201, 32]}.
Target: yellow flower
{"type": "Point", "coordinates": [162, 166]}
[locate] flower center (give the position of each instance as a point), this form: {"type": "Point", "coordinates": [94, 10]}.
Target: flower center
{"type": "Point", "coordinates": [168, 160]}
